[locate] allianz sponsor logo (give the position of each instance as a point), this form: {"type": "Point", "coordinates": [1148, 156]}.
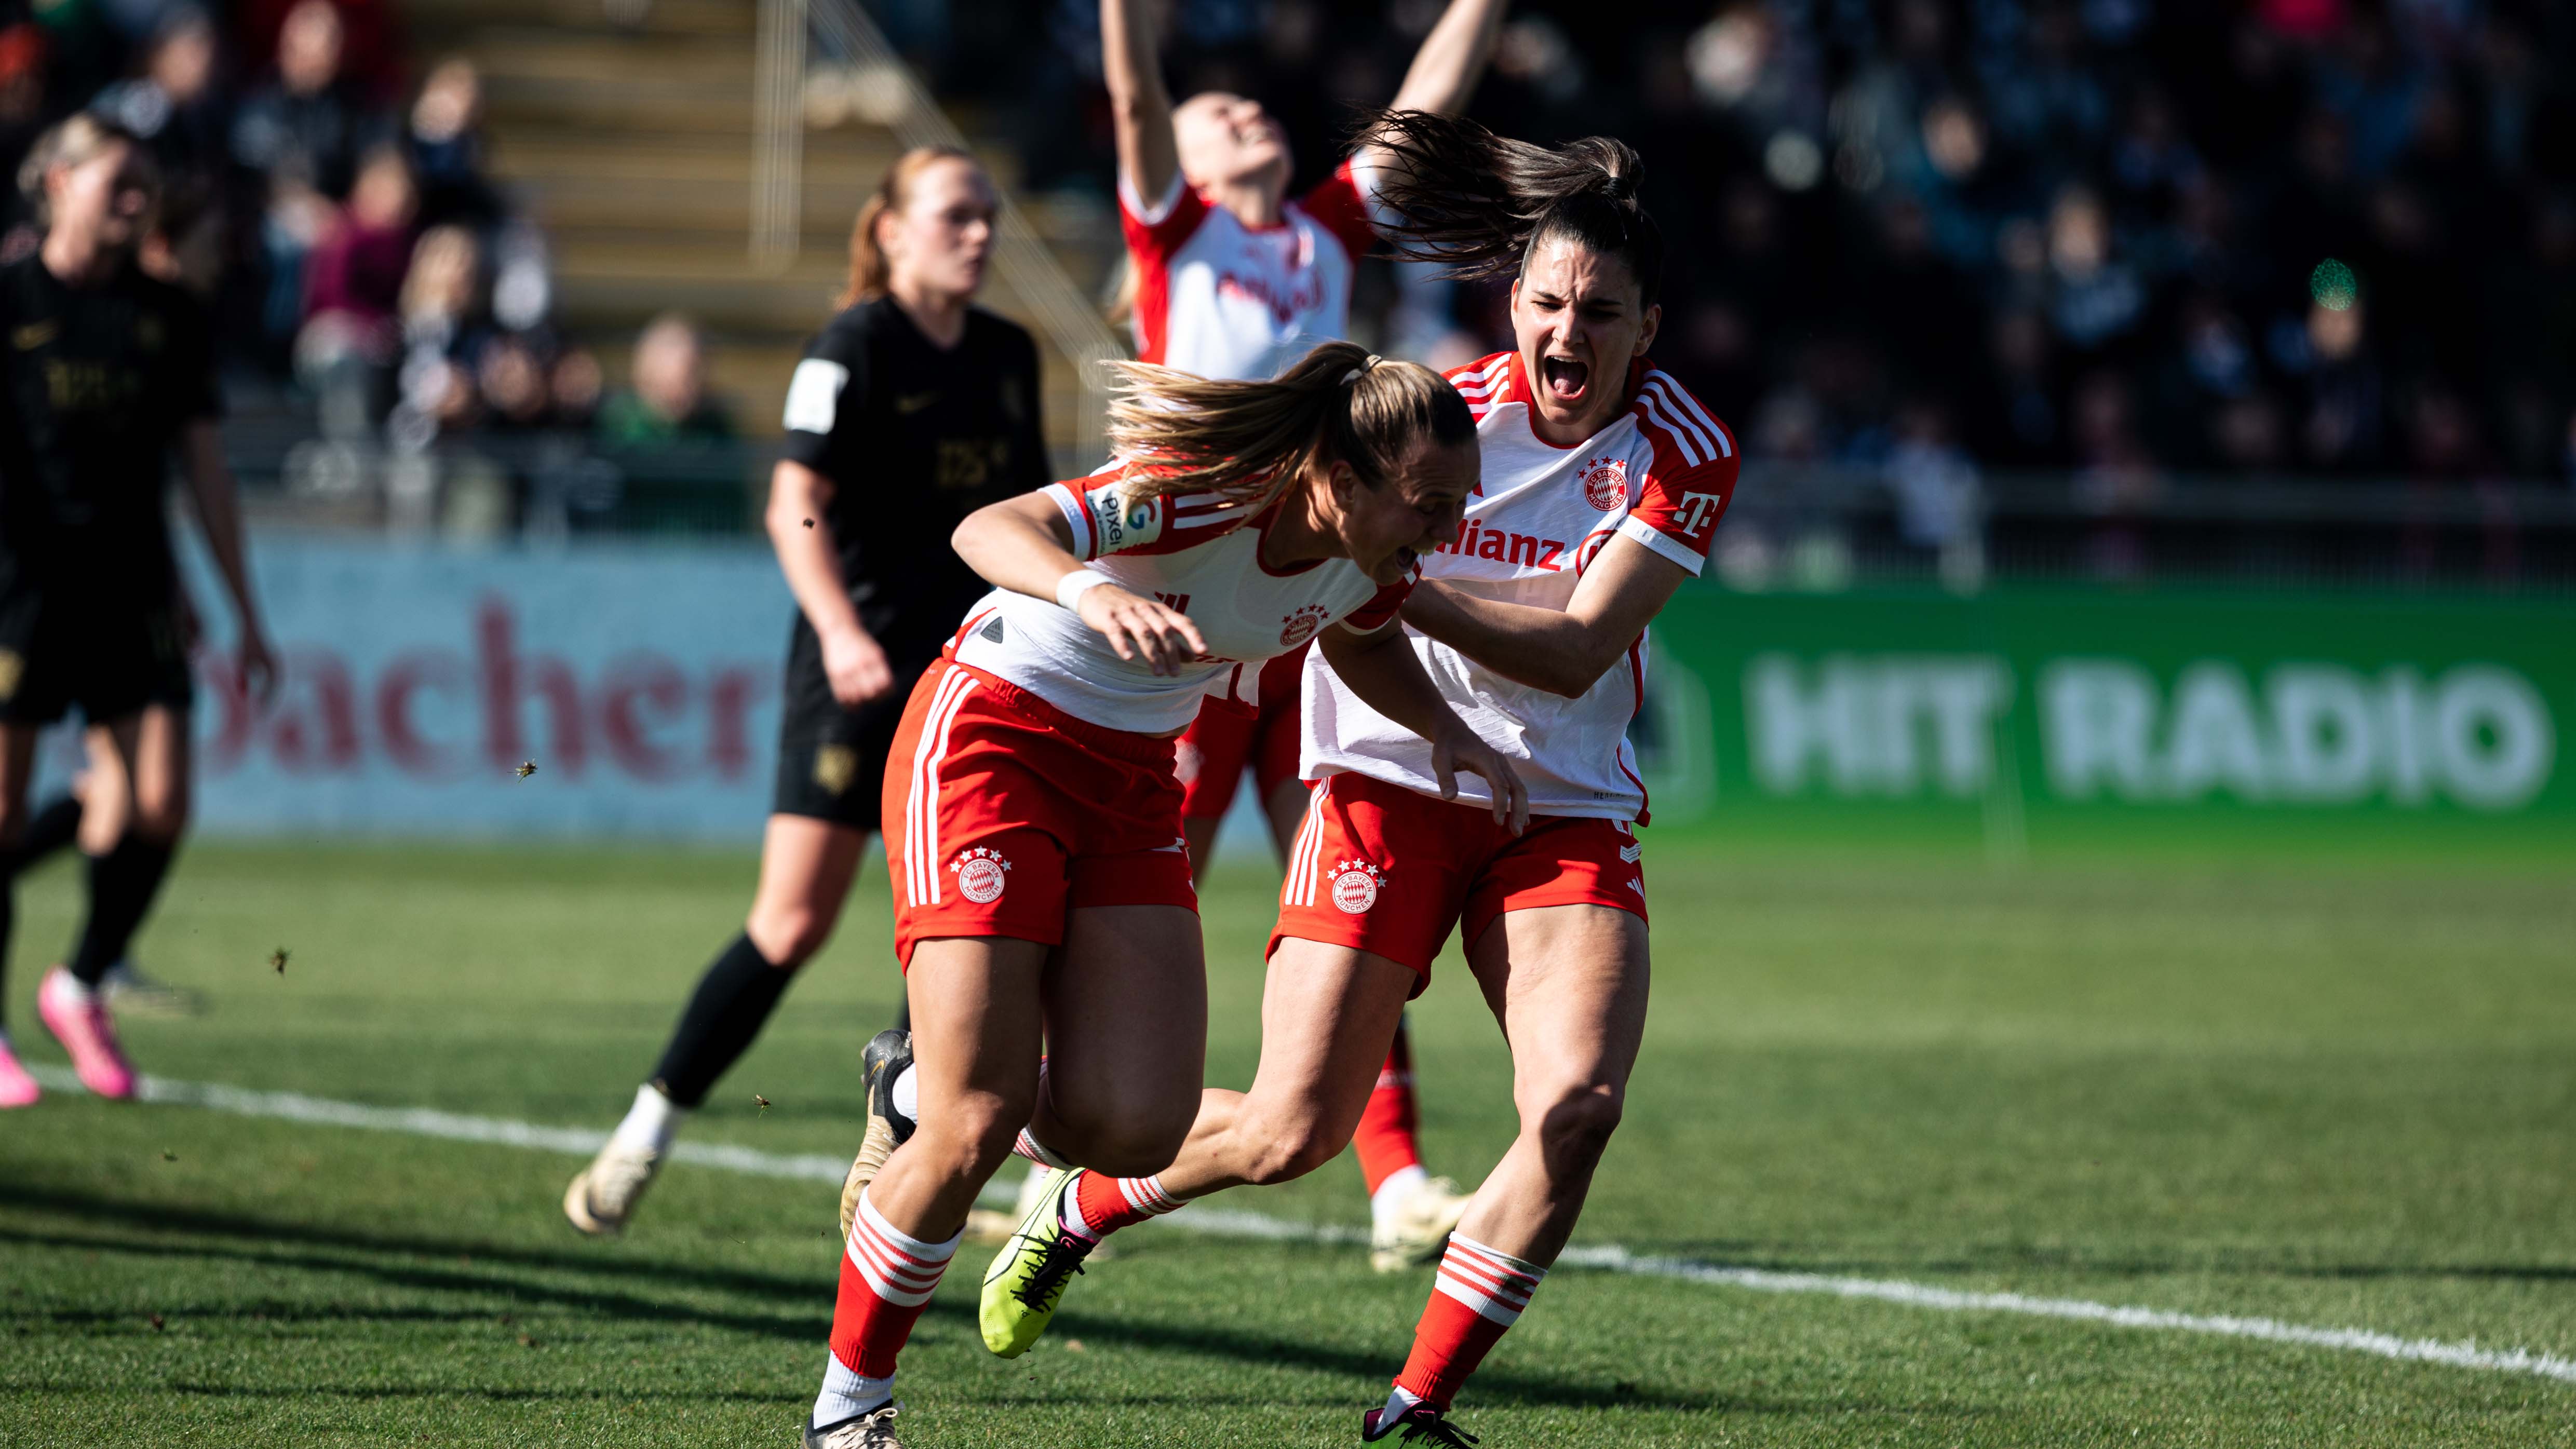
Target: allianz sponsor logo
{"type": "Point", "coordinates": [2293, 733]}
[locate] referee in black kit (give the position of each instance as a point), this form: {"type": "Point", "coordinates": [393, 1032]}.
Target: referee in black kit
{"type": "Point", "coordinates": [104, 372]}
{"type": "Point", "coordinates": [910, 411]}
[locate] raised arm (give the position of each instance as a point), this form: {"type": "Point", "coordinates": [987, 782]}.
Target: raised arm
{"type": "Point", "coordinates": [1563, 653]}
{"type": "Point", "coordinates": [1025, 545]}
{"type": "Point", "coordinates": [218, 508]}
{"type": "Point", "coordinates": [1382, 670]}
{"type": "Point", "coordinates": [800, 528]}
{"type": "Point", "coordinates": [1452, 58]}
{"type": "Point", "coordinates": [1140, 109]}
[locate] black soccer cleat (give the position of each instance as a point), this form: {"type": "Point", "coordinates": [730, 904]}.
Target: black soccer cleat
{"type": "Point", "coordinates": [888, 1053]}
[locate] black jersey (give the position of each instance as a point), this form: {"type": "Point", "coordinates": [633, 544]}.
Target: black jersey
{"type": "Point", "coordinates": [96, 384]}
{"type": "Point", "coordinates": [914, 438]}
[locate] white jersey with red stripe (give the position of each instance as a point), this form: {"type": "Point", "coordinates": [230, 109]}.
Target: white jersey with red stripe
{"type": "Point", "coordinates": [1222, 299]}
{"type": "Point", "coordinates": [1200, 553]}
{"type": "Point", "coordinates": [1661, 474]}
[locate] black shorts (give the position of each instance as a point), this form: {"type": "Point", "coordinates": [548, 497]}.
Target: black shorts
{"type": "Point", "coordinates": [832, 761]}
{"type": "Point", "coordinates": [110, 658]}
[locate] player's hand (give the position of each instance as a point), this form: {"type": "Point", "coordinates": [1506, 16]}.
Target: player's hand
{"type": "Point", "coordinates": [258, 665]}
{"type": "Point", "coordinates": [1456, 748]}
{"type": "Point", "coordinates": [1144, 629]}
{"type": "Point", "coordinates": [856, 667]}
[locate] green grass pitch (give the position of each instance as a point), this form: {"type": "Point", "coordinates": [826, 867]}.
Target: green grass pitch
{"type": "Point", "coordinates": [2340, 1094]}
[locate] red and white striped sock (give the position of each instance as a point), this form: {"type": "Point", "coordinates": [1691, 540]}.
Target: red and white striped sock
{"type": "Point", "coordinates": [1388, 1139]}
{"type": "Point", "coordinates": [1478, 1293]}
{"type": "Point", "coordinates": [1098, 1204]}
{"type": "Point", "coordinates": [886, 1279]}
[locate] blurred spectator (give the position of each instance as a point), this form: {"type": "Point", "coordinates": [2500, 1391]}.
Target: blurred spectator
{"type": "Point", "coordinates": [305, 126]}
{"type": "Point", "coordinates": [172, 103]}
{"type": "Point", "coordinates": [353, 287]}
{"type": "Point", "coordinates": [447, 147]}
{"type": "Point", "coordinates": [299, 134]}
{"type": "Point", "coordinates": [667, 401]}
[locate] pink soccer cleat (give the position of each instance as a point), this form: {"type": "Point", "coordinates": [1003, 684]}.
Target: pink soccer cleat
{"type": "Point", "coordinates": [77, 1016]}
{"type": "Point", "coordinates": [17, 1089]}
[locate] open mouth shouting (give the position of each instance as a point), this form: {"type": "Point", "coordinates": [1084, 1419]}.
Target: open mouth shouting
{"type": "Point", "coordinates": [1565, 378]}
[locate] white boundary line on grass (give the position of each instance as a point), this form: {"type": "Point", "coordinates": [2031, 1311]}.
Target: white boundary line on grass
{"type": "Point", "coordinates": [1235, 1223]}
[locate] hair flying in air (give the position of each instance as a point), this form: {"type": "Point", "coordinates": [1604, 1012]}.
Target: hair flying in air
{"type": "Point", "coordinates": [1249, 440]}
{"type": "Point", "coordinates": [1478, 204]}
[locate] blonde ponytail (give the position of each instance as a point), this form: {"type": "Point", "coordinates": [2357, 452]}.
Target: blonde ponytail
{"type": "Point", "coordinates": [1249, 441]}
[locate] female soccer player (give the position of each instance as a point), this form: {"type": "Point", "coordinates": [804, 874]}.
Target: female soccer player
{"type": "Point", "coordinates": [1044, 895]}
{"type": "Point", "coordinates": [106, 372]}
{"type": "Point", "coordinates": [1601, 485]}
{"type": "Point", "coordinates": [913, 409]}
{"type": "Point", "coordinates": [1232, 277]}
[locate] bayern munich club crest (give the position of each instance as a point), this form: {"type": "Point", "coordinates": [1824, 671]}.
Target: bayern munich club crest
{"type": "Point", "coordinates": [1605, 482]}
{"type": "Point", "coordinates": [1299, 627]}
{"type": "Point", "coordinates": [981, 874]}
{"type": "Point", "coordinates": [1355, 885]}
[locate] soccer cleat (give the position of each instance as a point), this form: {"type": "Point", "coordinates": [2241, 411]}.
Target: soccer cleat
{"type": "Point", "coordinates": [1027, 1278]}
{"type": "Point", "coordinates": [78, 1019]}
{"type": "Point", "coordinates": [1417, 1232]}
{"type": "Point", "coordinates": [887, 1054]}
{"type": "Point", "coordinates": [603, 1195]}
{"type": "Point", "coordinates": [17, 1089]}
{"type": "Point", "coordinates": [871, 1430]}
{"type": "Point", "coordinates": [1423, 1423]}
{"type": "Point", "coordinates": [136, 994]}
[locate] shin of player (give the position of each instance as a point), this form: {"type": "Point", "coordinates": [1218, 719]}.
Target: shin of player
{"type": "Point", "coordinates": [1043, 894]}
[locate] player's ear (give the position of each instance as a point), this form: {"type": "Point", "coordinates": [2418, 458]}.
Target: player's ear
{"type": "Point", "coordinates": [1646, 334]}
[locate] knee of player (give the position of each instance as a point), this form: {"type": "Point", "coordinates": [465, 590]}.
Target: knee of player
{"type": "Point", "coordinates": [973, 1140]}
{"type": "Point", "coordinates": [161, 820]}
{"type": "Point", "coordinates": [787, 936]}
{"type": "Point", "coordinates": [1291, 1154]}
{"type": "Point", "coordinates": [1573, 1123]}
{"type": "Point", "coordinates": [1132, 1146]}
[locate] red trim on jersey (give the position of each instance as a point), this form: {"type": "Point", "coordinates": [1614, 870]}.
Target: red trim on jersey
{"type": "Point", "coordinates": [1261, 524]}
{"type": "Point", "coordinates": [1637, 673]}
{"type": "Point", "coordinates": [1150, 248]}
{"type": "Point", "coordinates": [1337, 205]}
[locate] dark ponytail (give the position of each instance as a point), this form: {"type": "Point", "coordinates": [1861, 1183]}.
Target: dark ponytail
{"type": "Point", "coordinates": [1477, 203]}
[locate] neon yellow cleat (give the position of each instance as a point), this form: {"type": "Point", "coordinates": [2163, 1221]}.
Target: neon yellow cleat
{"type": "Point", "coordinates": [1027, 1278]}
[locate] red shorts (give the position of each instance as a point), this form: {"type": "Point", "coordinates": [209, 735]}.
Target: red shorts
{"type": "Point", "coordinates": [1386, 869]}
{"type": "Point", "coordinates": [1003, 813]}
{"type": "Point", "coordinates": [1224, 739]}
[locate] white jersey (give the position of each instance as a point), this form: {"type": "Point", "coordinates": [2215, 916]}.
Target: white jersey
{"type": "Point", "coordinates": [1199, 553]}
{"type": "Point", "coordinates": [1661, 474]}
{"type": "Point", "coordinates": [1225, 300]}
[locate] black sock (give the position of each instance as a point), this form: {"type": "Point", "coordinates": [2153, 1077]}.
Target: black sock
{"type": "Point", "coordinates": [122, 884]}
{"type": "Point", "coordinates": [50, 829]}
{"type": "Point", "coordinates": [731, 1003]}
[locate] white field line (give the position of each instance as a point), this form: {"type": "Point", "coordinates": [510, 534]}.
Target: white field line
{"type": "Point", "coordinates": [1235, 1223]}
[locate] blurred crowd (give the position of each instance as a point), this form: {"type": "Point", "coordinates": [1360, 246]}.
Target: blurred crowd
{"type": "Point", "coordinates": [2123, 237]}
{"type": "Point", "coordinates": [365, 271]}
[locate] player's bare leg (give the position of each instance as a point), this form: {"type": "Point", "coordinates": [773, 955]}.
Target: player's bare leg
{"type": "Point", "coordinates": [1568, 984]}
{"type": "Point", "coordinates": [806, 865]}
{"type": "Point", "coordinates": [17, 768]}
{"type": "Point", "coordinates": [1327, 1013]}
{"type": "Point", "coordinates": [1121, 1011]}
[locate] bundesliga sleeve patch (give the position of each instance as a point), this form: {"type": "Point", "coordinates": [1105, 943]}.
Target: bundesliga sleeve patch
{"type": "Point", "coordinates": [814, 395]}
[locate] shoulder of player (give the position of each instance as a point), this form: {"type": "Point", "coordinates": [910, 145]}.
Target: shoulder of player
{"type": "Point", "coordinates": [1486, 383]}
{"type": "Point", "coordinates": [1684, 433]}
